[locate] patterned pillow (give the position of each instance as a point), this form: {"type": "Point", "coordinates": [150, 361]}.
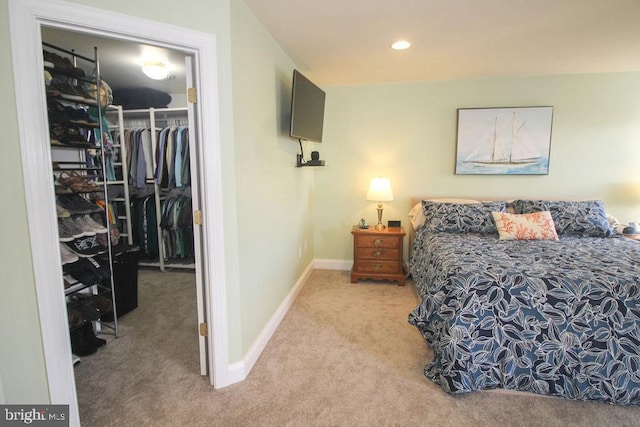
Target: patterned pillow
{"type": "Point", "coordinates": [531, 226]}
{"type": "Point", "coordinates": [461, 218]}
{"type": "Point", "coordinates": [416, 214]}
{"type": "Point", "coordinates": [579, 218]}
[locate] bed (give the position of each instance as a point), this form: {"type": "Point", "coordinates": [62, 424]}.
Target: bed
{"type": "Point", "coordinates": [554, 313]}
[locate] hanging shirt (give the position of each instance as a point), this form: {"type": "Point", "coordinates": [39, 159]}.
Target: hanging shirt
{"type": "Point", "coordinates": [148, 153]}
{"type": "Point", "coordinates": [178, 156]}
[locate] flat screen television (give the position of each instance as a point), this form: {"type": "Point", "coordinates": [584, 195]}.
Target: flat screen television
{"type": "Point", "coordinates": [307, 109]}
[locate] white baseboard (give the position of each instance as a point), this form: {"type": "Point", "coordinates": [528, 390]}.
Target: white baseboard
{"type": "Point", "coordinates": [238, 371]}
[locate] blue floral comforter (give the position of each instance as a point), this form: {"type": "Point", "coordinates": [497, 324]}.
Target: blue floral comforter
{"type": "Point", "coordinates": [551, 317]}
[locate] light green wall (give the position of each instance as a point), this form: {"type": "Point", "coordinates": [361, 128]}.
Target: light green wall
{"type": "Point", "coordinates": [407, 131]}
{"type": "Point", "coordinates": [274, 197]}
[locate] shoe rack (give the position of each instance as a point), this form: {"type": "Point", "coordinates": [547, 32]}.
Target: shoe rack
{"type": "Point", "coordinates": [83, 166]}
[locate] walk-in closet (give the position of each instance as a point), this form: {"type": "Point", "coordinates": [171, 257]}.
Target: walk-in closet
{"type": "Point", "coordinates": [126, 186]}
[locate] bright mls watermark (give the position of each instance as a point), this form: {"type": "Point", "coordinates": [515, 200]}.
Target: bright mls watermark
{"type": "Point", "coordinates": [37, 415]}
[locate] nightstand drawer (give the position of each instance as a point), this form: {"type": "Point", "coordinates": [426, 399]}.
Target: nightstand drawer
{"type": "Point", "coordinates": [378, 242]}
{"type": "Point", "coordinates": [378, 267]}
{"type": "Point", "coordinates": [378, 253]}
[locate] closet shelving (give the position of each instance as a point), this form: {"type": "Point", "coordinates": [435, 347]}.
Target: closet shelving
{"type": "Point", "coordinates": [78, 156]}
{"type": "Point", "coordinates": [120, 185]}
{"type": "Point", "coordinates": [153, 119]}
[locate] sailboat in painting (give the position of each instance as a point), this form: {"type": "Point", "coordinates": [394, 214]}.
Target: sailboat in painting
{"type": "Point", "coordinates": [507, 143]}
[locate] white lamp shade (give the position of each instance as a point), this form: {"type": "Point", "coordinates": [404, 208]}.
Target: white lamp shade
{"type": "Point", "coordinates": [380, 190]}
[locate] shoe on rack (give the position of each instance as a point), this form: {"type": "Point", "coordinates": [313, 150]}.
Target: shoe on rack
{"type": "Point", "coordinates": [68, 257]}
{"type": "Point", "coordinates": [77, 204]}
{"type": "Point", "coordinates": [66, 89]}
{"type": "Point", "coordinates": [79, 116]}
{"type": "Point", "coordinates": [95, 224]}
{"type": "Point", "coordinates": [57, 62]}
{"type": "Point", "coordinates": [98, 302]}
{"type": "Point", "coordinates": [87, 229]}
{"type": "Point", "coordinates": [73, 228]}
{"type": "Point", "coordinates": [74, 317]}
{"type": "Point", "coordinates": [102, 303]}
{"type": "Point", "coordinates": [56, 111]}
{"type": "Point", "coordinates": [100, 268]}
{"type": "Point", "coordinates": [86, 223]}
{"type": "Point", "coordinates": [67, 134]}
{"type": "Point", "coordinates": [48, 63]}
{"type": "Point", "coordinates": [88, 311]}
{"type": "Point", "coordinates": [78, 182]}
{"type": "Point", "coordinates": [82, 272]}
{"type": "Point", "coordinates": [79, 345]}
{"type": "Point", "coordinates": [62, 64]}
{"type": "Point", "coordinates": [91, 338]}
{"type": "Point", "coordinates": [86, 247]}
{"type": "Point", "coordinates": [64, 234]}
{"type": "Point", "coordinates": [61, 212]}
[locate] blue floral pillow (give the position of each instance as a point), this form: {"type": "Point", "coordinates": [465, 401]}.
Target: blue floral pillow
{"type": "Point", "coordinates": [580, 218]}
{"type": "Point", "coordinates": [461, 218]}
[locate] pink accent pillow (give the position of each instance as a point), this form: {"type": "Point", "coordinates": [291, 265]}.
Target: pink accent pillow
{"type": "Point", "coordinates": [530, 226]}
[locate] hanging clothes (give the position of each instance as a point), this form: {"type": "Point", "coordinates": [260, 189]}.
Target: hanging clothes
{"type": "Point", "coordinates": [167, 166]}
{"type": "Point", "coordinates": [176, 225]}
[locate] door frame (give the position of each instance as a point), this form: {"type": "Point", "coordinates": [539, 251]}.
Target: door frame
{"type": "Point", "coordinates": [26, 18]}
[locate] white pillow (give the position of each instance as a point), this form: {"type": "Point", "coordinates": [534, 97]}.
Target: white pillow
{"type": "Point", "coordinates": [416, 214]}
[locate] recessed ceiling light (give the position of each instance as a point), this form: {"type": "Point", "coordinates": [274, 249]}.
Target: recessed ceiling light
{"type": "Point", "coordinates": [400, 45]}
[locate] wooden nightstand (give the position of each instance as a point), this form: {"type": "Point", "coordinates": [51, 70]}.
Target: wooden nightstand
{"type": "Point", "coordinates": [378, 254]}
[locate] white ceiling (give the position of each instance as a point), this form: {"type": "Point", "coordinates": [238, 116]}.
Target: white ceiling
{"type": "Point", "coordinates": [345, 42]}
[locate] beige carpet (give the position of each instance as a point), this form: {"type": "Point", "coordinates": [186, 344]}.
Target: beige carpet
{"type": "Point", "coordinates": [343, 356]}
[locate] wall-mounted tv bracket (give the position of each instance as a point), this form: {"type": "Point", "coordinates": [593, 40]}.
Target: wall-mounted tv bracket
{"type": "Point", "coordinates": [315, 158]}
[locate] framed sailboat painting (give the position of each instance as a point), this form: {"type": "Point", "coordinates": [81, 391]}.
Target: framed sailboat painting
{"type": "Point", "coordinates": [497, 141]}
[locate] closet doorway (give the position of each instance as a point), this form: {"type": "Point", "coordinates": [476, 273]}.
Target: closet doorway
{"type": "Point", "coordinates": [28, 18]}
{"type": "Point", "coordinates": [151, 107]}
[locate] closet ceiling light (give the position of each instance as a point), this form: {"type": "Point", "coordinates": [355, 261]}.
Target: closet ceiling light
{"type": "Point", "coordinates": [156, 70]}
{"type": "Point", "coordinates": [400, 45]}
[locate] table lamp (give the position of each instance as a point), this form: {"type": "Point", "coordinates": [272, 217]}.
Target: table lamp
{"type": "Point", "coordinates": [380, 191]}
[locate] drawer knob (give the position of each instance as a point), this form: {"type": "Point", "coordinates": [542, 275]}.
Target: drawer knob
{"type": "Point", "coordinates": [378, 253]}
{"type": "Point", "coordinates": [377, 242]}
{"type": "Point", "coordinates": [377, 267]}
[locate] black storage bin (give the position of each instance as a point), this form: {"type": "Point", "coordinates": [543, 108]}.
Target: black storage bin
{"type": "Point", "coordinates": [125, 280]}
